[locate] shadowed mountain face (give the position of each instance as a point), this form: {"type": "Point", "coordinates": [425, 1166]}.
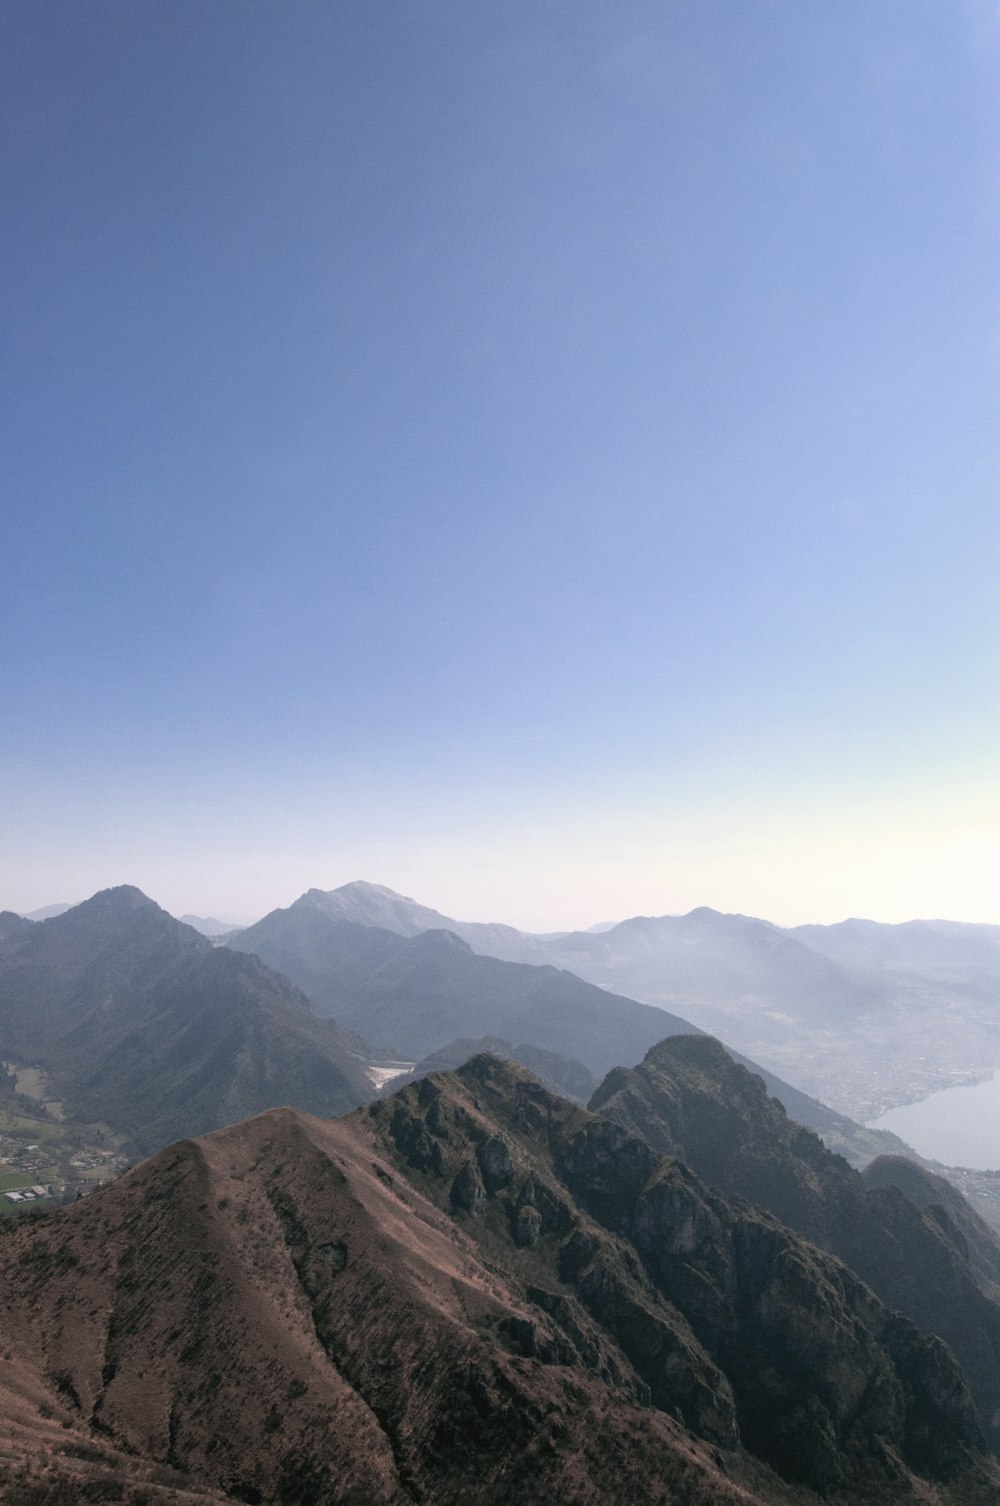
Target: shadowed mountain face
{"type": "Point", "coordinates": [408, 994]}
{"type": "Point", "coordinates": [689, 1099]}
{"type": "Point", "coordinates": [477, 1293]}
{"type": "Point", "coordinates": [141, 1023]}
{"type": "Point", "coordinates": [560, 1074]}
{"type": "Point", "coordinates": [979, 1243]}
{"type": "Point", "coordinates": [852, 1013]}
{"type": "Point", "coordinates": [12, 925]}
{"type": "Point", "coordinates": [329, 959]}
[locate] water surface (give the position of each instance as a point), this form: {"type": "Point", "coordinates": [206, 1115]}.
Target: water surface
{"type": "Point", "coordinates": [957, 1126]}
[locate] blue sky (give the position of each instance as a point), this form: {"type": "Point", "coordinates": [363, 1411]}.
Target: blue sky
{"type": "Point", "coordinates": [541, 456]}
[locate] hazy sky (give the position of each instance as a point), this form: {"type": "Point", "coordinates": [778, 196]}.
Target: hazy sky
{"type": "Point", "coordinates": [540, 456]}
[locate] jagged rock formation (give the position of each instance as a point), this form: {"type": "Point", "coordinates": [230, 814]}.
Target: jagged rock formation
{"type": "Point", "coordinates": [689, 1099]}
{"type": "Point", "coordinates": [977, 1242]}
{"type": "Point", "coordinates": [476, 1293]}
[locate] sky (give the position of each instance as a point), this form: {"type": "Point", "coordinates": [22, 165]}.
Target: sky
{"type": "Point", "coordinates": [541, 456]}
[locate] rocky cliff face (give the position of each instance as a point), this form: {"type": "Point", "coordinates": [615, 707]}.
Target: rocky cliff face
{"type": "Point", "coordinates": [974, 1239]}
{"type": "Point", "coordinates": [473, 1292]}
{"type": "Point", "coordinates": [736, 1326]}
{"type": "Point", "coordinates": [689, 1099]}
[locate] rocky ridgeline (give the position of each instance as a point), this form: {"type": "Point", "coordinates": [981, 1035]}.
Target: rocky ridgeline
{"type": "Point", "coordinates": [689, 1099]}
{"type": "Point", "coordinates": [735, 1326]}
{"type": "Point", "coordinates": [474, 1292]}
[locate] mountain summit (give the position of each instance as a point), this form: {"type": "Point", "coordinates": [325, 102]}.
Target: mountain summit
{"type": "Point", "coordinates": [141, 1023]}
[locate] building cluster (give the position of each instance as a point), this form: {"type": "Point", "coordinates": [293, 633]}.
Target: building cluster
{"type": "Point", "coordinates": [31, 1173]}
{"type": "Point", "coordinates": [28, 1194]}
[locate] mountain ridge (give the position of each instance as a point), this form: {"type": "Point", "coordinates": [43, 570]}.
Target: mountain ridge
{"type": "Point", "coordinates": [141, 1023]}
{"type": "Point", "coordinates": [478, 1292]}
{"type": "Point", "coordinates": [374, 980]}
{"type": "Point", "coordinates": [689, 1099]}
{"type": "Point", "coordinates": [857, 1028]}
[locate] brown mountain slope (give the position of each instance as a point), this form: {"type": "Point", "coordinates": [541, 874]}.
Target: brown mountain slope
{"type": "Point", "coordinates": [475, 1292]}
{"type": "Point", "coordinates": [274, 1311]}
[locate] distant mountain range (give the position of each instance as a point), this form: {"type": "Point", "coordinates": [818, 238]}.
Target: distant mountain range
{"type": "Point", "coordinates": [410, 991]}
{"type": "Point", "coordinates": [474, 1293]}
{"type": "Point", "coordinates": [208, 925]}
{"type": "Point", "coordinates": [852, 1013]}
{"type": "Point", "coordinates": [140, 1023]}
{"type": "Point", "coordinates": [373, 905]}
{"type": "Point", "coordinates": [409, 994]}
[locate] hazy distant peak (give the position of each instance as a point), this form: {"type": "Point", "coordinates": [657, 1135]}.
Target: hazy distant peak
{"type": "Point", "coordinates": [728, 917]}
{"type": "Point", "coordinates": [364, 886]}
{"type": "Point", "coordinates": [47, 912]}
{"type": "Point", "coordinates": [210, 925]}
{"type": "Point", "coordinates": [373, 905]}
{"type": "Point", "coordinates": [121, 898]}
{"type": "Point", "coordinates": [359, 888]}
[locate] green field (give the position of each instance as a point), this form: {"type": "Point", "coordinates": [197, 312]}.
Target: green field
{"type": "Point", "coordinates": [12, 1179]}
{"type": "Point", "coordinates": [9, 1180]}
{"type": "Point", "coordinates": [96, 1173]}
{"type": "Point", "coordinates": [37, 1129]}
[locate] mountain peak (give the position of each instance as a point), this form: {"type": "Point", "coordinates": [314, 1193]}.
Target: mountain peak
{"type": "Point", "coordinates": [121, 898]}
{"type": "Point", "coordinates": [702, 1051]}
{"type": "Point", "coordinates": [372, 905]}
{"type": "Point", "coordinates": [360, 887]}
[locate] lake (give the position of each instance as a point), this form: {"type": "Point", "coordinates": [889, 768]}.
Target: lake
{"type": "Point", "coordinates": [957, 1126]}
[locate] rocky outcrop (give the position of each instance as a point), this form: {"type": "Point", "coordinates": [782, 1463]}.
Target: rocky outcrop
{"type": "Point", "coordinates": [734, 1325]}
{"type": "Point", "coordinates": [974, 1240]}
{"type": "Point", "coordinates": [690, 1100]}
